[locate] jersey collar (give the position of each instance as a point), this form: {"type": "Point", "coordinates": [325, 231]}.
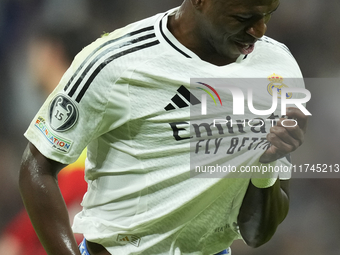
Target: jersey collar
{"type": "Point", "coordinates": [167, 37]}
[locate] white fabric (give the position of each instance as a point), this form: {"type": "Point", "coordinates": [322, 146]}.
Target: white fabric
{"type": "Point", "coordinates": [141, 199]}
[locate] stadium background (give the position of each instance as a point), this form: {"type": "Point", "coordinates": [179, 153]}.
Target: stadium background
{"type": "Point", "coordinates": [310, 28]}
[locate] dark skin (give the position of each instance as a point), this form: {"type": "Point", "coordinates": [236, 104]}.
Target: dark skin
{"type": "Point", "coordinates": [217, 31]}
{"type": "Point", "coordinates": [263, 209]}
{"type": "Point", "coordinates": [44, 202]}
{"type": "Point", "coordinates": [45, 205]}
{"type": "Point", "coordinates": [214, 28]}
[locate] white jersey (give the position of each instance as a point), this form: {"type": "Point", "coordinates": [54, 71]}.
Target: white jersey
{"type": "Point", "coordinates": [126, 97]}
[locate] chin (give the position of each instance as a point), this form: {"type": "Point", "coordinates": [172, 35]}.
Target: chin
{"type": "Point", "coordinates": [230, 55]}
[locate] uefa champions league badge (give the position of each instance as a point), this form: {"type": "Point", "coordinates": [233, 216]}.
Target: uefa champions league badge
{"type": "Point", "coordinates": [63, 113]}
{"type": "Point", "coordinates": [276, 82]}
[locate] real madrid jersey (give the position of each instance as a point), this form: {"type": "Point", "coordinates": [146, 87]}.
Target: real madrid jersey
{"type": "Point", "coordinates": [128, 98]}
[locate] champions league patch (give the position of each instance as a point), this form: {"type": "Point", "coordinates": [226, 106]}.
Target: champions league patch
{"type": "Point", "coordinates": [56, 142]}
{"type": "Point", "coordinates": [63, 113]}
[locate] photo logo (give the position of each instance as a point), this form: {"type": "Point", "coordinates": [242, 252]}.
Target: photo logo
{"type": "Point", "coordinates": [228, 131]}
{"type": "Point", "coordinates": [276, 90]}
{"type": "Point", "coordinates": [204, 96]}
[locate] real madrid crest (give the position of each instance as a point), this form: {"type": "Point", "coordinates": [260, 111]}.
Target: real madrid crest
{"type": "Point", "coordinates": [276, 82]}
{"type": "Point", "coordinates": [63, 113]}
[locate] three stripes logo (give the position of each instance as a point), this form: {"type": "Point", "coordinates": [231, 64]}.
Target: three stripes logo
{"type": "Point", "coordinates": [184, 98]}
{"type": "Point", "coordinates": [184, 101]}
{"type": "Point", "coordinates": [132, 239]}
{"type": "Point", "coordinates": [104, 55]}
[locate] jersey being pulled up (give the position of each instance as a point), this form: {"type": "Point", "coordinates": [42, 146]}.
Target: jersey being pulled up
{"type": "Point", "coordinates": [127, 97]}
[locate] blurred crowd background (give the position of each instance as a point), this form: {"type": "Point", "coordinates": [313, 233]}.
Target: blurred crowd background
{"type": "Point", "coordinates": [38, 38]}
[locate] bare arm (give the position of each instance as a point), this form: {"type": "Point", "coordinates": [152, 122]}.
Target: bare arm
{"type": "Point", "coordinates": [45, 204]}
{"type": "Point", "coordinates": [263, 209]}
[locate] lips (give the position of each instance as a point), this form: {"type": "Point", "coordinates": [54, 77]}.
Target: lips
{"type": "Point", "coordinates": [245, 48]}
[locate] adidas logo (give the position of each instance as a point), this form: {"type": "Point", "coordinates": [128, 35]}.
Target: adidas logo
{"type": "Point", "coordinates": [132, 239]}
{"type": "Point", "coordinates": [182, 99]}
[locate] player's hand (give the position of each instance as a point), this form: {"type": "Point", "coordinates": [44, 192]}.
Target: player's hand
{"type": "Point", "coordinates": [284, 140]}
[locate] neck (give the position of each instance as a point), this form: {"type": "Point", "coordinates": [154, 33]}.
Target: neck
{"type": "Point", "coordinates": [184, 26]}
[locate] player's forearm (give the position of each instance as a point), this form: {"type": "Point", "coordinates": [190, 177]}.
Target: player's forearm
{"type": "Point", "coordinates": [262, 211]}
{"type": "Point", "coordinates": [46, 207]}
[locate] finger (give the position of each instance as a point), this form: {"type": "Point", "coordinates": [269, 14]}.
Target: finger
{"type": "Point", "coordinates": [299, 116]}
{"type": "Point", "coordinates": [271, 154]}
{"type": "Point", "coordinates": [285, 128]}
{"type": "Point", "coordinates": [283, 142]}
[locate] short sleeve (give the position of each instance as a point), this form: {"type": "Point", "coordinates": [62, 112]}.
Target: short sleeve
{"type": "Point", "coordinates": [87, 103]}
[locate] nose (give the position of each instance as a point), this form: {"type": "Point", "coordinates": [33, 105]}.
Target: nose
{"type": "Point", "coordinates": [257, 29]}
